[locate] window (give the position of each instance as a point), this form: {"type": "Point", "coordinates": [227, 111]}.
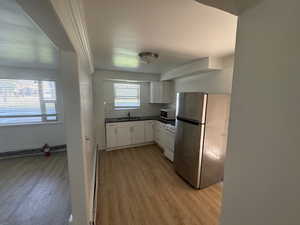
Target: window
{"type": "Point", "coordinates": [27, 101]}
{"type": "Point", "coordinates": [127, 96]}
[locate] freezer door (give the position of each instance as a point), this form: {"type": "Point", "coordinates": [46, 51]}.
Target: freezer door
{"type": "Point", "coordinates": [191, 106]}
{"type": "Point", "coordinates": [187, 155]}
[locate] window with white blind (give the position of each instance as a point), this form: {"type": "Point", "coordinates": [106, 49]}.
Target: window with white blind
{"type": "Point", "coordinates": [27, 101]}
{"type": "Point", "coordinates": [127, 96]}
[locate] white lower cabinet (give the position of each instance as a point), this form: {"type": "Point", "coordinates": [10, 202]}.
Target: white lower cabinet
{"type": "Point", "coordinates": [125, 134]}
{"type": "Point", "coordinates": [111, 136]}
{"type": "Point", "coordinates": [149, 131]}
{"type": "Point", "coordinates": [138, 133]}
{"type": "Point", "coordinates": [169, 145]}
{"type": "Point", "coordinates": [165, 138]}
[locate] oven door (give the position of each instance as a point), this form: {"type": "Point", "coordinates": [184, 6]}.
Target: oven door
{"type": "Point", "coordinates": [164, 114]}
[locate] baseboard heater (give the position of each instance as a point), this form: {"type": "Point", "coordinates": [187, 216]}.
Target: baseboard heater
{"type": "Point", "coordinates": [31, 152]}
{"type": "Point", "coordinates": [95, 189]}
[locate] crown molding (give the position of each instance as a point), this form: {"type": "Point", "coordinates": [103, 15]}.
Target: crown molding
{"type": "Point", "coordinates": [71, 15]}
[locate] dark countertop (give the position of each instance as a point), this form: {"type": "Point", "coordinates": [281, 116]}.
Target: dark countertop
{"type": "Point", "coordinates": [140, 118]}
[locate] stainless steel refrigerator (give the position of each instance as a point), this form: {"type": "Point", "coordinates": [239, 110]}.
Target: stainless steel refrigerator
{"type": "Point", "coordinates": [201, 137]}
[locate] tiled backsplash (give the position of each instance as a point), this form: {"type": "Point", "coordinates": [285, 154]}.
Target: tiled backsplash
{"type": "Point", "coordinates": [146, 109]}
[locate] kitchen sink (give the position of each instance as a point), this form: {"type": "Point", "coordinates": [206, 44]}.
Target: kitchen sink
{"type": "Point", "coordinates": [134, 118]}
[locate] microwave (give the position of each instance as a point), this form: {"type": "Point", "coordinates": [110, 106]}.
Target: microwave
{"type": "Point", "coordinates": [167, 114]}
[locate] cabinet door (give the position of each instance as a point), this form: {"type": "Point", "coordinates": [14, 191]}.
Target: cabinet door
{"type": "Point", "coordinates": [111, 136]}
{"type": "Point", "coordinates": [163, 139]}
{"type": "Point", "coordinates": [156, 131]}
{"type": "Point", "coordinates": [155, 92]}
{"type": "Point", "coordinates": [149, 131]}
{"type": "Point", "coordinates": [159, 133]}
{"type": "Point", "coordinates": [166, 92]}
{"type": "Point", "coordinates": [138, 133]}
{"type": "Point", "coordinates": [123, 136]}
{"type": "Point", "coordinates": [161, 92]}
{"type": "Point", "coordinates": [170, 141]}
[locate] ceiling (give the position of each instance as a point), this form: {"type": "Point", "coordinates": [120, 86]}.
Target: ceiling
{"type": "Point", "coordinates": [22, 43]}
{"type": "Point", "coordinates": [179, 30]}
{"type": "Point", "coordinates": [233, 6]}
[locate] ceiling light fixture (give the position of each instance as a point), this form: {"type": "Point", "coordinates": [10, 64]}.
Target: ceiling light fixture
{"type": "Point", "coordinates": [148, 57]}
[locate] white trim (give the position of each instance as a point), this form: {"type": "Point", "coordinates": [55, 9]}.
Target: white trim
{"type": "Point", "coordinates": [129, 146]}
{"type": "Point", "coordinates": [138, 87]}
{"type": "Point", "coordinates": [95, 186]}
{"type": "Point", "coordinates": [92, 215]}
{"type": "Point", "coordinates": [31, 124]}
{"type": "Point", "coordinates": [71, 15]}
{"type": "Point", "coordinates": [42, 105]}
{"type": "Point", "coordinates": [126, 108]}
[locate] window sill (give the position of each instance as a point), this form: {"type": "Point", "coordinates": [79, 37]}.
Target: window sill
{"type": "Point", "coordinates": [30, 124]}
{"type": "Point", "coordinates": [120, 109]}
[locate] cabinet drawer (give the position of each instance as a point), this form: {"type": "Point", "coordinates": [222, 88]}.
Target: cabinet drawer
{"type": "Point", "coordinates": [149, 122]}
{"type": "Point", "coordinates": [111, 125]}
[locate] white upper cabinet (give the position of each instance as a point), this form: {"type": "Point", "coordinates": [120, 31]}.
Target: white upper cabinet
{"type": "Point", "coordinates": [161, 92]}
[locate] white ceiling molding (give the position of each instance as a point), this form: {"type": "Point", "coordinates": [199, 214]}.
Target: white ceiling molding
{"type": "Point", "coordinates": [128, 76]}
{"type": "Point", "coordinates": [200, 66]}
{"type": "Point", "coordinates": [235, 7]}
{"type": "Point", "coordinates": [72, 17]}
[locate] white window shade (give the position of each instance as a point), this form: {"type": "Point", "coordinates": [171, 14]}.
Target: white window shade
{"type": "Point", "coordinates": [126, 95]}
{"type": "Point", "coordinates": [27, 101]}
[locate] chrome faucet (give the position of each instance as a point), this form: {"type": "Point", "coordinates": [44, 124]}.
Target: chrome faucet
{"type": "Point", "coordinates": [128, 114]}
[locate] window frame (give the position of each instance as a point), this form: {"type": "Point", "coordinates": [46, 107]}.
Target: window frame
{"type": "Point", "coordinates": [43, 102]}
{"type": "Point", "coordinates": [127, 107]}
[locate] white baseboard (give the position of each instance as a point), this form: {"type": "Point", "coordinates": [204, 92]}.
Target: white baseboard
{"type": "Point", "coordinates": [129, 146]}
{"type": "Point", "coordinates": [93, 196]}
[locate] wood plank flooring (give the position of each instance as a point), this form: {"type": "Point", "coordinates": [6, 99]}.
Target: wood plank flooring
{"type": "Point", "coordinates": [138, 186]}
{"type": "Point", "coordinates": [34, 191]}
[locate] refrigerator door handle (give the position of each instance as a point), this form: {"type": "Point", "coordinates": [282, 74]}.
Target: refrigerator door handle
{"type": "Point", "coordinates": [194, 122]}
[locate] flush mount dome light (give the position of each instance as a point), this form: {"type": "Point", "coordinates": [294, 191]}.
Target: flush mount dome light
{"type": "Point", "coordinates": [148, 57]}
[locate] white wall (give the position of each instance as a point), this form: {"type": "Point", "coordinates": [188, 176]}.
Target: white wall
{"type": "Point", "coordinates": [22, 137]}
{"type": "Point", "coordinates": [216, 82]}
{"type": "Point", "coordinates": [79, 135]}
{"type": "Point", "coordinates": [262, 170]}
{"type": "Point", "coordinates": [87, 133]}
{"type": "Point", "coordinates": [103, 92]}
{"type": "Point", "coordinates": [146, 108]}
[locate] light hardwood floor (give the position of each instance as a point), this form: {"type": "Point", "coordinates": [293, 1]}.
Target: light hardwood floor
{"type": "Point", "coordinates": [34, 191]}
{"type": "Point", "coordinates": [138, 186]}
